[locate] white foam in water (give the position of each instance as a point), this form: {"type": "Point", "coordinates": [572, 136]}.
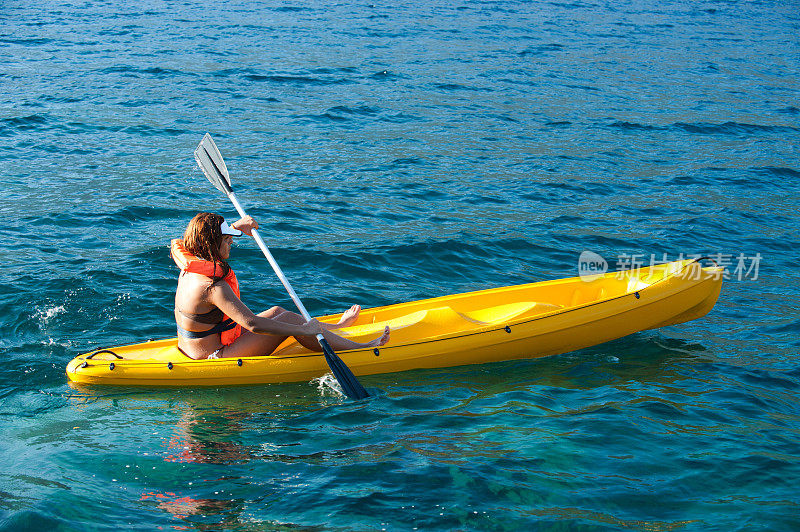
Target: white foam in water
{"type": "Point", "coordinates": [328, 385]}
{"type": "Point", "coordinates": [45, 315]}
{"type": "Point", "coordinates": [121, 300]}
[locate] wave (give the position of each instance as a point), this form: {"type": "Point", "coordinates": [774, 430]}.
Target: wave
{"type": "Point", "coordinates": [139, 129]}
{"type": "Point", "coordinates": [341, 113]}
{"type": "Point", "coordinates": [779, 172]}
{"type": "Point", "coordinates": [290, 9]}
{"type": "Point", "coordinates": [123, 217]}
{"type": "Point", "coordinates": [584, 87]}
{"type": "Point", "coordinates": [36, 122]}
{"type": "Point", "coordinates": [703, 128]}
{"type": "Point", "coordinates": [27, 41]}
{"type": "Point", "coordinates": [329, 70]}
{"type": "Point", "coordinates": [401, 118]}
{"type": "Point", "coordinates": [459, 87]}
{"type": "Point", "coordinates": [60, 98]}
{"type": "Point", "coordinates": [483, 199]}
{"type": "Point", "coordinates": [22, 123]}
{"type": "Point", "coordinates": [227, 72]}
{"type": "Point", "coordinates": [731, 128]}
{"type": "Point", "coordinates": [541, 49]}
{"type": "Point", "coordinates": [766, 177]}
{"type": "Point", "coordinates": [633, 126]}
{"type": "Point", "coordinates": [362, 110]}
{"type": "Point", "coordinates": [558, 123]}
{"type": "Point", "coordinates": [297, 80]}
{"type": "Point", "coordinates": [157, 72]}
{"type": "Point", "coordinates": [386, 75]}
{"type": "Point", "coordinates": [324, 118]}
{"type": "Point", "coordinates": [404, 162]}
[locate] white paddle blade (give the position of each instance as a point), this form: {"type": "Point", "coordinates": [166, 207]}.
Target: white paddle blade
{"type": "Point", "coordinates": [210, 161]}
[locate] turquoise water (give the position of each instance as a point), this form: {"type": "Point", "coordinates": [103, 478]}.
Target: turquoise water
{"type": "Point", "coordinates": [397, 152]}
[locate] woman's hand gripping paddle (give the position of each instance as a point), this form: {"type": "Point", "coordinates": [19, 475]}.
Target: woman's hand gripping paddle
{"type": "Point", "coordinates": [210, 161]}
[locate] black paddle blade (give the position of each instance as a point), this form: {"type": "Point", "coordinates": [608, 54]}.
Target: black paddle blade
{"type": "Point", "coordinates": [210, 161]}
{"type": "Point", "coordinates": [350, 385]}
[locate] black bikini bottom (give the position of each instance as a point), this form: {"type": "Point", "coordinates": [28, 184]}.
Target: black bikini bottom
{"type": "Point", "coordinates": [226, 325]}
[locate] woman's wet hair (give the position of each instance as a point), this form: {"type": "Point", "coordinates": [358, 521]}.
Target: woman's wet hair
{"type": "Point", "coordinates": [203, 238]}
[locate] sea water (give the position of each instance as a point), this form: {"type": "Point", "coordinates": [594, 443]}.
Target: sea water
{"type": "Point", "coordinates": [392, 152]}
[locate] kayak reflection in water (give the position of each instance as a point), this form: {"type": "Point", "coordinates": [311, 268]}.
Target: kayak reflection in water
{"type": "Point", "coordinates": [214, 323]}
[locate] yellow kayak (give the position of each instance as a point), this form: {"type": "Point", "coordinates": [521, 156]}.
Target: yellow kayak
{"type": "Point", "coordinates": [524, 321]}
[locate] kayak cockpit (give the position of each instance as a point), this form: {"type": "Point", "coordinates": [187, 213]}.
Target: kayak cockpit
{"type": "Point", "coordinates": [495, 308]}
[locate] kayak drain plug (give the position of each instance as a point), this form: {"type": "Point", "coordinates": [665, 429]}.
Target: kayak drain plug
{"type": "Point", "coordinates": [111, 367]}
{"type": "Point", "coordinates": [377, 352]}
{"type": "Point", "coordinates": [239, 362]}
{"type": "Point", "coordinates": [169, 365]}
{"type": "Point", "coordinates": [507, 329]}
{"type": "Point", "coordinates": [637, 295]}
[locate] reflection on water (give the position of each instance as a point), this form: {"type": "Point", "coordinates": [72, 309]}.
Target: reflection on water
{"type": "Point", "coordinates": [204, 436]}
{"type": "Point", "coordinates": [185, 507]}
{"type": "Point", "coordinates": [207, 437]}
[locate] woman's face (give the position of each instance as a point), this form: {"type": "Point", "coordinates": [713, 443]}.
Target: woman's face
{"type": "Point", "coordinates": [225, 247]}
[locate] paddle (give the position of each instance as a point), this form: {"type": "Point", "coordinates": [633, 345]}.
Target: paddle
{"type": "Point", "coordinates": [210, 161]}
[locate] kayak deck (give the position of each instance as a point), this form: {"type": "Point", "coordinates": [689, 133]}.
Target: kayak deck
{"type": "Point", "coordinates": [523, 321]}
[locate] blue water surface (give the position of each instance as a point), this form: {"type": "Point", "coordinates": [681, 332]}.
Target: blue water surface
{"type": "Point", "coordinates": [394, 152]}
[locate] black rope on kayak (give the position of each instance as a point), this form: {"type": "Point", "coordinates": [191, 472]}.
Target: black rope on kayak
{"type": "Point", "coordinates": [103, 351]}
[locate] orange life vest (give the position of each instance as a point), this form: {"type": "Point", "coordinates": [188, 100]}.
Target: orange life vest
{"type": "Point", "coordinates": [189, 263]}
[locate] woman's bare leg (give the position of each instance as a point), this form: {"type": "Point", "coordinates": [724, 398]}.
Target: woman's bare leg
{"type": "Point", "coordinates": [336, 342]}
{"type": "Point", "coordinates": [348, 318]}
{"type": "Point", "coordinates": [251, 344]}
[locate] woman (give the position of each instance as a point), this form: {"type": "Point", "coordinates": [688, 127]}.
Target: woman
{"type": "Point", "coordinates": [213, 322]}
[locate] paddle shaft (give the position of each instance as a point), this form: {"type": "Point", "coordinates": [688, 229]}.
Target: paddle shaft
{"type": "Point", "coordinates": [265, 250]}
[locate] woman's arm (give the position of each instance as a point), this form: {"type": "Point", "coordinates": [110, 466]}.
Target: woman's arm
{"type": "Point", "coordinates": [221, 295]}
{"type": "Point", "coordinates": [245, 225]}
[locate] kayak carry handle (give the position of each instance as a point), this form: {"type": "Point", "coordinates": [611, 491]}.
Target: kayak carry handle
{"type": "Point", "coordinates": [707, 258]}
{"type": "Point", "coordinates": [103, 351]}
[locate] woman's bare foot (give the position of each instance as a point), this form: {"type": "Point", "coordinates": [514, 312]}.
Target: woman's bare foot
{"type": "Point", "coordinates": [377, 342]}
{"type": "Point", "coordinates": [350, 316]}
